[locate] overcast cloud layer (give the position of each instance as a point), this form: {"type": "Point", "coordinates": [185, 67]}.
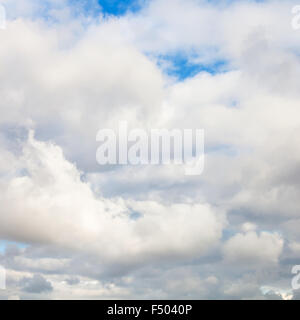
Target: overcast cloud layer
{"type": "Point", "coordinates": [72, 229]}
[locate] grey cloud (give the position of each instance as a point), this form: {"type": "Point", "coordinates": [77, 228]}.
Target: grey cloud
{"type": "Point", "coordinates": [190, 240]}
{"type": "Point", "coordinates": [36, 284]}
{"type": "Point", "coordinates": [72, 281]}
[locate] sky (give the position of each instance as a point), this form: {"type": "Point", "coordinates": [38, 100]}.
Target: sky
{"type": "Point", "coordinates": [72, 229]}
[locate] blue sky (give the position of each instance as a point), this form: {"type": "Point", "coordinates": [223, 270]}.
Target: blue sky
{"type": "Point", "coordinates": [182, 67]}
{"type": "Point", "coordinates": [111, 7]}
{"type": "Point", "coordinates": [4, 244]}
{"type": "Point", "coordinates": [118, 7]}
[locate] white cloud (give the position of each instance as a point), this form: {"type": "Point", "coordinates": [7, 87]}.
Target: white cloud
{"type": "Point", "coordinates": [52, 194]}
{"type": "Point", "coordinates": [70, 78]}
{"type": "Point", "coordinates": [253, 250]}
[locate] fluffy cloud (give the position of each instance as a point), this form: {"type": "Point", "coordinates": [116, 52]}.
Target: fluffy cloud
{"type": "Point", "coordinates": [253, 250]}
{"type": "Point", "coordinates": [50, 193]}
{"type": "Point", "coordinates": [36, 284]}
{"type": "Point", "coordinates": [149, 231]}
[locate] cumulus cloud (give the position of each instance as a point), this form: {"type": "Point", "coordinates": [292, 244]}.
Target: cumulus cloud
{"type": "Point", "coordinates": [253, 250]}
{"type": "Point", "coordinates": [51, 193]}
{"type": "Point", "coordinates": [114, 232]}
{"type": "Point", "coordinates": [36, 284]}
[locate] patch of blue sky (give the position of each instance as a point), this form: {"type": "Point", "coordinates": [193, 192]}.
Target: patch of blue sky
{"type": "Point", "coordinates": [121, 7]}
{"type": "Point", "coordinates": [5, 243]}
{"type": "Point", "coordinates": [182, 67]}
{"type": "Point", "coordinates": [106, 7]}
{"type": "Point", "coordinates": [91, 8]}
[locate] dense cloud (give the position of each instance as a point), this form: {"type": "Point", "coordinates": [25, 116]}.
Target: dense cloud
{"type": "Point", "coordinates": [36, 284]}
{"type": "Point", "coordinates": [86, 231]}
